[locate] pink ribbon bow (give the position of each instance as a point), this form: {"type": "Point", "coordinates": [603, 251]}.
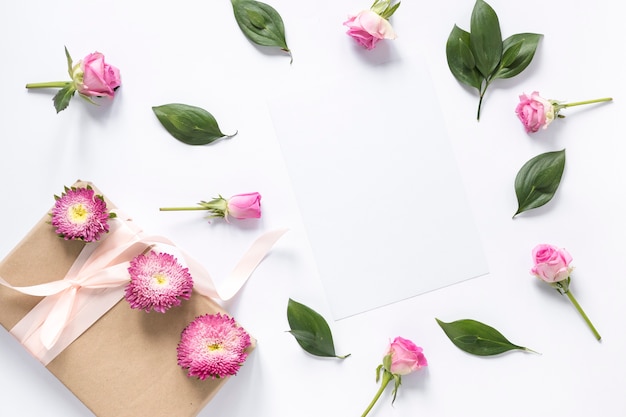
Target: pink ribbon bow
{"type": "Point", "coordinates": [96, 282]}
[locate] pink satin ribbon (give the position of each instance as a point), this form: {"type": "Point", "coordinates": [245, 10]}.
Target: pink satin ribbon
{"type": "Point", "coordinates": [96, 282]}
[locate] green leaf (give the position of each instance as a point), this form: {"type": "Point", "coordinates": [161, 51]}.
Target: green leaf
{"type": "Point", "coordinates": [460, 59]}
{"type": "Point", "coordinates": [189, 124]}
{"type": "Point", "coordinates": [485, 38]}
{"type": "Point", "coordinates": [311, 330]}
{"type": "Point", "coordinates": [69, 62]}
{"type": "Point", "coordinates": [62, 98]}
{"type": "Point", "coordinates": [261, 23]}
{"type": "Point", "coordinates": [519, 51]}
{"type": "Point", "coordinates": [509, 54]}
{"type": "Point", "coordinates": [537, 181]}
{"type": "Point", "coordinates": [477, 338]}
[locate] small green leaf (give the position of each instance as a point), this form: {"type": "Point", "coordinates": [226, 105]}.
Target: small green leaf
{"type": "Point", "coordinates": [509, 54]}
{"type": "Point", "coordinates": [62, 98]}
{"type": "Point", "coordinates": [460, 59]}
{"type": "Point", "coordinates": [388, 11]}
{"type": "Point", "coordinates": [311, 330]}
{"type": "Point", "coordinates": [189, 124]}
{"type": "Point", "coordinates": [485, 38]}
{"type": "Point", "coordinates": [260, 23]}
{"type": "Point", "coordinates": [477, 338]}
{"type": "Point", "coordinates": [537, 181]}
{"type": "Point", "coordinates": [69, 63]}
{"type": "Point", "coordinates": [519, 51]}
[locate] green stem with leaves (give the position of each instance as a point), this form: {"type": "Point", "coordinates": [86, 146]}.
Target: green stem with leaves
{"type": "Point", "coordinates": [582, 313]}
{"type": "Point", "coordinates": [386, 378]}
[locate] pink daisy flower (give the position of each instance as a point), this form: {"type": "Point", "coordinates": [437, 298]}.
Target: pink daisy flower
{"type": "Point", "coordinates": [157, 282]}
{"type": "Point", "coordinates": [213, 346]}
{"type": "Point", "coordinates": [80, 214]}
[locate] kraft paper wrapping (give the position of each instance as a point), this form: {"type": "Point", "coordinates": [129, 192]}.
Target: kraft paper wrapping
{"type": "Point", "coordinates": [124, 365]}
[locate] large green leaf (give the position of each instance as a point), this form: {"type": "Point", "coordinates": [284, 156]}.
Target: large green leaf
{"type": "Point", "coordinates": [518, 52]}
{"type": "Point", "coordinates": [477, 338]}
{"type": "Point", "coordinates": [189, 124]}
{"type": "Point", "coordinates": [310, 330]}
{"type": "Point", "coordinates": [485, 38]}
{"type": "Point", "coordinates": [460, 59]}
{"type": "Point", "coordinates": [261, 23]}
{"type": "Point", "coordinates": [537, 181]}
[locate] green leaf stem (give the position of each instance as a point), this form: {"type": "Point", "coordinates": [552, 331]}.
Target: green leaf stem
{"type": "Point", "coordinates": [260, 23]}
{"type": "Point", "coordinates": [189, 124]}
{"type": "Point", "coordinates": [311, 330]}
{"type": "Point", "coordinates": [537, 181]}
{"type": "Point", "coordinates": [479, 57]}
{"type": "Point", "coordinates": [477, 338]}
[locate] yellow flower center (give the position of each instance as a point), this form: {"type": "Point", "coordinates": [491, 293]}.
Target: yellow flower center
{"type": "Point", "coordinates": [78, 213]}
{"type": "Point", "coordinates": [160, 278]}
{"type": "Point", "coordinates": [214, 346]}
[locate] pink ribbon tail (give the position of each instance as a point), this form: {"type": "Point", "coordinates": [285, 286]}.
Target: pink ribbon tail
{"type": "Point", "coordinates": [242, 271]}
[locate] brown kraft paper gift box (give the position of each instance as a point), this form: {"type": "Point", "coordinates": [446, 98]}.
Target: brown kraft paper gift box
{"type": "Point", "coordinates": [125, 364]}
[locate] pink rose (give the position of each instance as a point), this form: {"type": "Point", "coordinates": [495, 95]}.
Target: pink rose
{"type": "Point", "coordinates": [402, 358]}
{"type": "Point", "coordinates": [367, 28]}
{"type": "Point", "coordinates": [94, 77]}
{"type": "Point", "coordinates": [406, 357]}
{"type": "Point", "coordinates": [551, 263]}
{"type": "Point", "coordinates": [245, 206]}
{"type": "Point", "coordinates": [535, 112]}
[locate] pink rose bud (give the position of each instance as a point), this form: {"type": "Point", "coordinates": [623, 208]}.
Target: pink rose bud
{"type": "Point", "coordinates": [244, 206]}
{"type": "Point", "coordinates": [95, 78]}
{"type": "Point", "coordinates": [535, 112]}
{"type": "Point", "coordinates": [402, 358]}
{"type": "Point", "coordinates": [552, 266]}
{"type": "Point", "coordinates": [551, 263]}
{"type": "Point", "coordinates": [91, 77]}
{"type": "Point", "coordinates": [239, 206]}
{"type": "Point", "coordinates": [406, 357]}
{"type": "Point", "coordinates": [367, 28]}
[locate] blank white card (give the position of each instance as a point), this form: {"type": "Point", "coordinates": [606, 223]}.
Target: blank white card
{"type": "Point", "coordinates": [378, 187]}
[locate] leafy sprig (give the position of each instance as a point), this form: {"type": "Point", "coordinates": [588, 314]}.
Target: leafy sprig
{"type": "Point", "coordinates": [480, 56]}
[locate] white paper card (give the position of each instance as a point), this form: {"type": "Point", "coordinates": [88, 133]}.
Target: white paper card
{"type": "Point", "coordinates": [372, 151]}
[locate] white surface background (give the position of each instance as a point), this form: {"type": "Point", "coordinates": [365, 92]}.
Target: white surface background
{"type": "Point", "coordinates": [193, 52]}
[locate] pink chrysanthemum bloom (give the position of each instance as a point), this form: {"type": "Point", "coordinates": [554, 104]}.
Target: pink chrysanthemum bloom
{"type": "Point", "coordinates": [80, 214]}
{"type": "Point", "coordinates": [213, 346]}
{"type": "Point", "coordinates": [157, 282]}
